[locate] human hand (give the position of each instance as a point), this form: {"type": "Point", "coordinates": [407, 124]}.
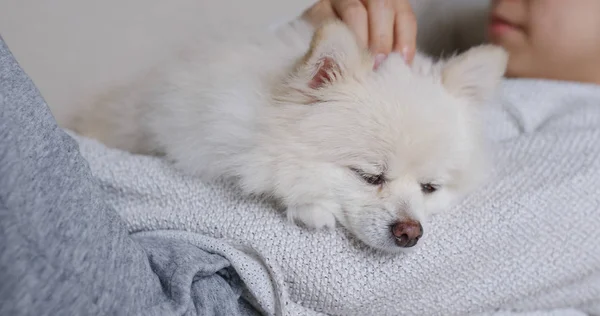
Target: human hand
{"type": "Point", "coordinates": [383, 26]}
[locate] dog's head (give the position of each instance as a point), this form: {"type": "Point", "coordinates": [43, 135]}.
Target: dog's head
{"type": "Point", "coordinates": [389, 146]}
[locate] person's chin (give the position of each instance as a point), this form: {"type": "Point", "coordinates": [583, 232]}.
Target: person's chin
{"type": "Point", "coordinates": [516, 68]}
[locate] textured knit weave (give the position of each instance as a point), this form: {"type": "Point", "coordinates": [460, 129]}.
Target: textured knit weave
{"type": "Point", "coordinates": [529, 240]}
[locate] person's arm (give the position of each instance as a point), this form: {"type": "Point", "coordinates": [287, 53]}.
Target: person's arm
{"type": "Point", "coordinates": [63, 249]}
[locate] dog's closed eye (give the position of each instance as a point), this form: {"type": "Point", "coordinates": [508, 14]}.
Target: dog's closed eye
{"type": "Point", "coordinates": [372, 179]}
{"type": "Point", "coordinates": [429, 188]}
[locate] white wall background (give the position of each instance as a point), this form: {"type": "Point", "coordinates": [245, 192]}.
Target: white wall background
{"type": "Point", "coordinates": [74, 48]}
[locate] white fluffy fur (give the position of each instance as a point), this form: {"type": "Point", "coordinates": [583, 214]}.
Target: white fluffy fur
{"type": "Point", "coordinates": [247, 110]}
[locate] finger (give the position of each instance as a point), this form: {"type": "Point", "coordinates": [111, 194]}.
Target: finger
{"type": "Point", "coordinates": [354, 14]}
{"type": "Point", "coordinates": [381, 26]}
{"type": "Point", "coordinates": [319, 12]}
{"type": "Point", "coordinates": [405, 40]}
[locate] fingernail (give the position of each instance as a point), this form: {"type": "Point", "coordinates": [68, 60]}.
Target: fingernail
{"type": "Point", "coordinates": [379, 58]}
{"type": "Point", "coordinates": [405, 52]}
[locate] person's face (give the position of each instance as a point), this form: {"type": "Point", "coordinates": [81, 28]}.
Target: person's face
{"type": "Point", "coordinates": [551, 39]}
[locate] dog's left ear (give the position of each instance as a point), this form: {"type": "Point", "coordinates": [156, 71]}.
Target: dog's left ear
{"type": "Point", "coordinates": [475, 74]}
{"type": "Point", "coordinates": [333, 55]}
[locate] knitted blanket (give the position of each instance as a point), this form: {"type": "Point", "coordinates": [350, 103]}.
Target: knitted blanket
{"type": "Point", "coordinates": [528, 240]}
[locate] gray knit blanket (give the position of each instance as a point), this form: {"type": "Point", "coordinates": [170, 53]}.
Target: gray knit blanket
{"type": "Point", "coordinates": [528, 241]}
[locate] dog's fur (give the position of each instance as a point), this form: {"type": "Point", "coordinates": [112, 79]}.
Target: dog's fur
{"type": "Point", "coordinates": [303, 116]}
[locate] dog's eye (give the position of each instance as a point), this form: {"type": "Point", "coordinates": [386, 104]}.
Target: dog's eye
{"type": "Point", "coordinates": [372, 179]}
{"type": "Point", "coordinates": [428, 188]}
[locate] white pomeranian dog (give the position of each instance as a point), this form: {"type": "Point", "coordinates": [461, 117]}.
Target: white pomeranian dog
{"type": "Point", "coordinates": [301, 115]}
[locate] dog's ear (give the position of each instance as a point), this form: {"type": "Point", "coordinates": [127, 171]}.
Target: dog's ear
{"type": "Point", "coordinates": [334, 54]}
{"type": "Point", "coordinates": [475, 74]}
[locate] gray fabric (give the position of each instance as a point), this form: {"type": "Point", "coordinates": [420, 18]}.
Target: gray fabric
{"type": "Point", "coordinates": [527, 241]}
{"type": "Point", "coordinates": [64, 251]}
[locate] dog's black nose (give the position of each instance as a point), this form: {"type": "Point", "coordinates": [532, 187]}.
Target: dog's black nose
{"type": "Point", "coordinates": [407, 233]}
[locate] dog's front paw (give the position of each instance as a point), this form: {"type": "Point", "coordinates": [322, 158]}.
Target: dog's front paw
{"type": "Point", "coordinates": [314, 215]}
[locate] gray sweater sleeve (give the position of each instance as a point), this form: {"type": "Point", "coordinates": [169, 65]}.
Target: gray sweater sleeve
{"type": "Point", "coordinates": [63, 250]}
